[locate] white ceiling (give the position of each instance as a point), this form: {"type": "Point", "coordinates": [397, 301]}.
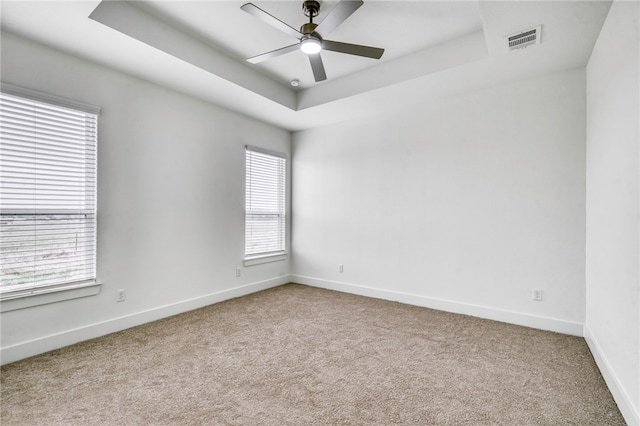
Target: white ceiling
{"type": "Point", "coordinates": [432, 49]}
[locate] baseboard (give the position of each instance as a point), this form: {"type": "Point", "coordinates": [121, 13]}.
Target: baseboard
{"type": "Point", "coordinates": [45, 344]}
{"type": "Point", "coordinates": [630, 414]}
{"type": "Point", "coordinates": [533, 321]}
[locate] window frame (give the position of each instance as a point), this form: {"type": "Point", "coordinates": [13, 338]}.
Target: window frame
{"type": "Point", "coordinates": [23, 297]}
{"type": "Point", "coordinates": [279, 255]}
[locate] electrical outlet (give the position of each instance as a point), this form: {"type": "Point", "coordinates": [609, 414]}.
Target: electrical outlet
{"type": "Point", "coordinates": [238, 272]}
{"type": "Point", "coordinates": [537, 294]}
{"type": "Point", "coordinates": [121, 295]}
{"type": "Point", "coordinates": [341, 268]}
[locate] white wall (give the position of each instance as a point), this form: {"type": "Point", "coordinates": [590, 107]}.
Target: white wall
{"type": "Point", "coordinates": [464, 204]}
{"type": "Point", "coordinates": [170, 201]}
{"type": "Point", "coordinates": [612, 255]}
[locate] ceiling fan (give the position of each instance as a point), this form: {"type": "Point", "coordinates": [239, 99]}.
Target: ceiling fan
{"type": "Point", "coordinates": [311, 35]}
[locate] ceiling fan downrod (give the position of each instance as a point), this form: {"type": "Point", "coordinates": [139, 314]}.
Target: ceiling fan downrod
{"type": "Point", "coordinates": [311, 9]}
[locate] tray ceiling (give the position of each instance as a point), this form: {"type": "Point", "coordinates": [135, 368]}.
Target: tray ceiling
{"type": "Point", "coordinates": [432, 49]}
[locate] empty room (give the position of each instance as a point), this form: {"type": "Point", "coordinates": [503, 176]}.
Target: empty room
{"type": "Point", "coordinates": [320, 212]}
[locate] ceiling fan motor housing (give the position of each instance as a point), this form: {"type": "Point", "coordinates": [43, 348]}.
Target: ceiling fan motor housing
{"type": "Point", "coordinates": [308, 28]}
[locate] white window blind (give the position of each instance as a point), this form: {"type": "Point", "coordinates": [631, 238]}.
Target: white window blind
{"type": "Point", "coordinates": [47, 194]}
{"type": "Point", "coordinates": [265, 221]}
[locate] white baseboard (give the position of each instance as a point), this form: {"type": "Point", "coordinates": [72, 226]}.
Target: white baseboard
{"type": "Point", "coordinates": [533, 321]}
{"type": "Point", "coordinates": [55, 341]}
{"type": "Point", "coordinates": [629, 412]}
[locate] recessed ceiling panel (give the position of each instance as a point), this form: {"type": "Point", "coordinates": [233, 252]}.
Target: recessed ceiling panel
{"type": "Point", "coordinates": [400, 27]}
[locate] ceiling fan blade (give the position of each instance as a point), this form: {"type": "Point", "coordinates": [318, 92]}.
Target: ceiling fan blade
{"type": "Point", "coordinates": [254, 10]}
{"type": "Point", "coordinates": [317, 67]}
{"type": "Point", "coordinates": [273, 54]}
{"type": "Point", "coordinates": [337, 16]}
{"type": "Point", "coordinates": [353, 49]}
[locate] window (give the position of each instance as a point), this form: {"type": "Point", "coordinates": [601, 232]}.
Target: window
{"type": "Point", "coordinates": [265, 220]}
{"type": "Point", "coordinates": [47, 193]}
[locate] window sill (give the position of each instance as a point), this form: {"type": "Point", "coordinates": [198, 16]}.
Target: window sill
{"type": "Point", "coordinates": [251, 261]}
{"type": "Point", "coordinates": [21, 299]}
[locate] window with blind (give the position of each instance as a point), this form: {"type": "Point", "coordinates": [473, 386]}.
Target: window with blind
{"type": "Point", "coordinates": [47, 194]}
{"type": "Point", "coordinates": [265, 204]}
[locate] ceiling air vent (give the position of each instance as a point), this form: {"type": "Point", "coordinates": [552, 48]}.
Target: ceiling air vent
{"type": "Point", "coordinates": [524, 38]}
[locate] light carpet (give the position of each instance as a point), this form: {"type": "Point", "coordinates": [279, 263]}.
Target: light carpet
{"type": "Point", "coordinates": [297, 355]}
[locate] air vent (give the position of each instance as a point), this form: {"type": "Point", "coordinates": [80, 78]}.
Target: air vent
{"type": "Point", "coordinates": [524, 38]}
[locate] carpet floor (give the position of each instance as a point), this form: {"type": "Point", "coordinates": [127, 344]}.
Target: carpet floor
{"type": "Point", "coordinates": [297, 355]}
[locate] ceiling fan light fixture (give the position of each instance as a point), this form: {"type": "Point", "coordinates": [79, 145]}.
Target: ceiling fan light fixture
{"type": "Point", "coordinates": [310, 45]}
